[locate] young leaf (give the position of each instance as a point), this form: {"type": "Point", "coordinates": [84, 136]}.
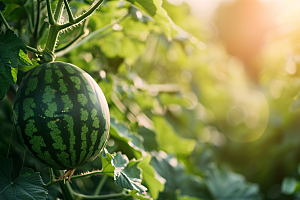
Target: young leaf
{"type": "Point", "coordinates": [12, 50]}
{"type": "Point", "coordinates": [28, 185]}
{"type": "Point", "coordinates": [126, 173]}
{"type": "Point", "coordinates": [107, 166]}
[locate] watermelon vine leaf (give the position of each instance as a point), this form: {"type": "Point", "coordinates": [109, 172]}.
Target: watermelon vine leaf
{"type": "Point", "coordinates": [107, 167]}
{"type": "Point", "coordinates": [188, 185]}
{"type": "Point", "coordinates": [2, 6]}
{"type": "Point", "coordinates": [8, 76]}
{"type": "Point", "coordinates": [12, 50]}
{"type": "Point", "coordinates": [121, 131]}
{"type": "Point", "coordinates": [126, 173]}
{"type": "Point", "coordinates": [28, 184]}
{"type": "Point", "coordinates": [155, 10]}
{"type": "Point", "coordinates": [12, 54]}
{"type": "Point", "coordinates": [224, 184]}
{"type": "Point", "coordinates": [153, 181]}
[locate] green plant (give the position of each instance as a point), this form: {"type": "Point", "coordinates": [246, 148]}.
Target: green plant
{"type": "Point", "coordinates": [123, 46]}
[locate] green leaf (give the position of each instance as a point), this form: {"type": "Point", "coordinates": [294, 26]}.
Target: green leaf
{"type": "Point", "coordinates": [126, 173]}
{"type": "Point", "coordinates": [169, 140]}
{"type": "Point", "coordinates": [149, 137]}
{"type": "Point", "coordinates": [168, 167]}
{"type": "Point", "coordinates": [121, 131]}
{"type": "Point", "coordinates": [290, 185]}
{"type": "Point", "coordinates": [8, 76]}
{"type": "Point", "coordinates": [154, 182]}
{"type": "Point", "coordinates": [12, 53]}
{"type": "Point", "coordinates": [12, 50]}
{"type": "Point", "coordinates": [155, 10]}
{"type": "Point", "coordinates": [28, 185]}
{"type": "Point", "coordinates": [168, 99]}
{"type": "Point", "coordinates": [2, 6]}
{"type": "Point", "coordinates": [224, 184]}
{"type": "Point", "coordinates": [107, 165]}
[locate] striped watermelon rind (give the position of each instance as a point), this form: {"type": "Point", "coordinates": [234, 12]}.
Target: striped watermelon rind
{"type": "Point", "coordinates": [61, 115]}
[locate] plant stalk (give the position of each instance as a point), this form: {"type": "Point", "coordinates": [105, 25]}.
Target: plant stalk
{"type": "Point", "coordinates": [100, 185]}
{"type": "Point", "coordinates": [53, 29]}
{"type": "Point", "coordinates": [83, 16]}
{"type": "Point", "coordinates": [78, 41]}
{"type": "Point", "coordinates": [98, 172]}
{"type": "Point", "coordinates": [37, 23]}
{"type": "Point", "coordinates": [50, 14]}
{"type": "Point", "coordinates": [71, 18]}
{"type": "Point", "coordinates": [98, 197]}
{"type": "Point", "coordinates": [4, 21]}
{"type": "Point", "coordinates": [66, 189]}
{"type": "Point", "coordinates": [58, 11]}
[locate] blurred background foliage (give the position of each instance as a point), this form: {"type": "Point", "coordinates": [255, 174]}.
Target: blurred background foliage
{"type": "Point", "coordinates": [216, 107]}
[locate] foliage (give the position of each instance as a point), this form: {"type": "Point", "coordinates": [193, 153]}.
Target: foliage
{"type": "Point", "coordinates": [187, 120]}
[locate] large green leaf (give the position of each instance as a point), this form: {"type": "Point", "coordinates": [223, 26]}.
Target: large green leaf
{"type": "Point", "coordinates": [7, 77]}
{"type": "Point", "coordinates": [149, 137]}
{"type": "Point", "coordinates": [176, 178]}
{"type": "Point", "coordinates": [12, 53]}
{"type": "Point", "coordinates": [224, 184]}
{"type": "Point", "coordinates": [169, 140]}
{"type": "Point", "coordinates": [155, 10]}
{"type": "Point", "coordinates": [28, 185]}
{"type": "Point", "coordinates": [154, 182]}
{"type": "Point", "coordinates": [12, 50]}
{"type": "Point", "coordinates": [121, 131]}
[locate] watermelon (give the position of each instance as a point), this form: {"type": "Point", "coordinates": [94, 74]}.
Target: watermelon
{"type": "Point", "coordinates": [61, 115]}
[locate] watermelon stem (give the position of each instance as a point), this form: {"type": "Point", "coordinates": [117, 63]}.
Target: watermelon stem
{"type": "Point", "coordinates": [98, 197]}
{"type": "Point", "coordinates": [100, 185]}
{"type": "Point", "coordinates": [97, 172]}
{"type": "Point", "coordinates": [79, 19]}
{"type": "Point", "coordinates": [68, 174]}
{"type": "Point", "coordinates": [55, 28]}
{"type": "Point", "coordinates": [50, 14]}
{"type": "Point", "coordinates": [68, 192]}
{"type": "Point", "coordinates": [85, 36]}
{"type": "Point", "coordinates": [66, 189]}
{"type": "Point", "coordinates": [71, 18]}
